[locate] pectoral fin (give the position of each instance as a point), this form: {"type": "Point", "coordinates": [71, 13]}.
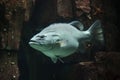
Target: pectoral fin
{"type": "Point", "coordinates": [62, 43]}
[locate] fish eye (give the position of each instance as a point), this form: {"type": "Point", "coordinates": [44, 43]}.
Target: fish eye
{"type": "Point", "coordinates": [58, 40]}
{"type": "Point", "coordinates": [42, 36]}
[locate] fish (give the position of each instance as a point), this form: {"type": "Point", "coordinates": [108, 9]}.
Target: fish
{"type": "Point", "coordinates": [59, 40]}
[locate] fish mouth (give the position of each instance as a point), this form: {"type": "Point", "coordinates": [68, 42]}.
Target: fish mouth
{"type": "Point", "coordinates": [33, 42]}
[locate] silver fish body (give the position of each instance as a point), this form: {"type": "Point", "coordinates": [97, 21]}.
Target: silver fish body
{"type": "Point", "coordinates": [63, 39]}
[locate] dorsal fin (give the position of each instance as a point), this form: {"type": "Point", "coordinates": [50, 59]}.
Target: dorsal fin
{"type": "Point", "coordinates": [77, 24]}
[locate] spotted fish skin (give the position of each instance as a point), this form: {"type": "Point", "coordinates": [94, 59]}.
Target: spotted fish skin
{"type": "Point", "coordinates": [63, 39]}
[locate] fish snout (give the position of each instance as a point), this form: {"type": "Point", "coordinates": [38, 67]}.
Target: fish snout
{"type": "Point", "coordinates": [33, 41]}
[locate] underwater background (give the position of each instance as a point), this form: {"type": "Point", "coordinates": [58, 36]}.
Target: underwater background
{"type": "Point", "coordinates": [21, 19]}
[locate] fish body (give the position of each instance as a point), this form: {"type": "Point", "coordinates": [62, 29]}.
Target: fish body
{"type": "Point", "coordinates": [63, 39]}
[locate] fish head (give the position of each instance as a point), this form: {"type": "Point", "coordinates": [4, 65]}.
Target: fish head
{"type": "Point", "coordinates": [43, 42]}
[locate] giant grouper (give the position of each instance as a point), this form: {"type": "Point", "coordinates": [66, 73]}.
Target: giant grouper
{"type": "Point", "coordinates": [60, 40]}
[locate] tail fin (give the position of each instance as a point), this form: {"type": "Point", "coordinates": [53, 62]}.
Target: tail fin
{"type": "Point", "coordinates": [96, 33]}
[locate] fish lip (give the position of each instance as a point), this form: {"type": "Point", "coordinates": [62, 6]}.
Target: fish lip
{"type": "Point", "coordinates": [33, 41]}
